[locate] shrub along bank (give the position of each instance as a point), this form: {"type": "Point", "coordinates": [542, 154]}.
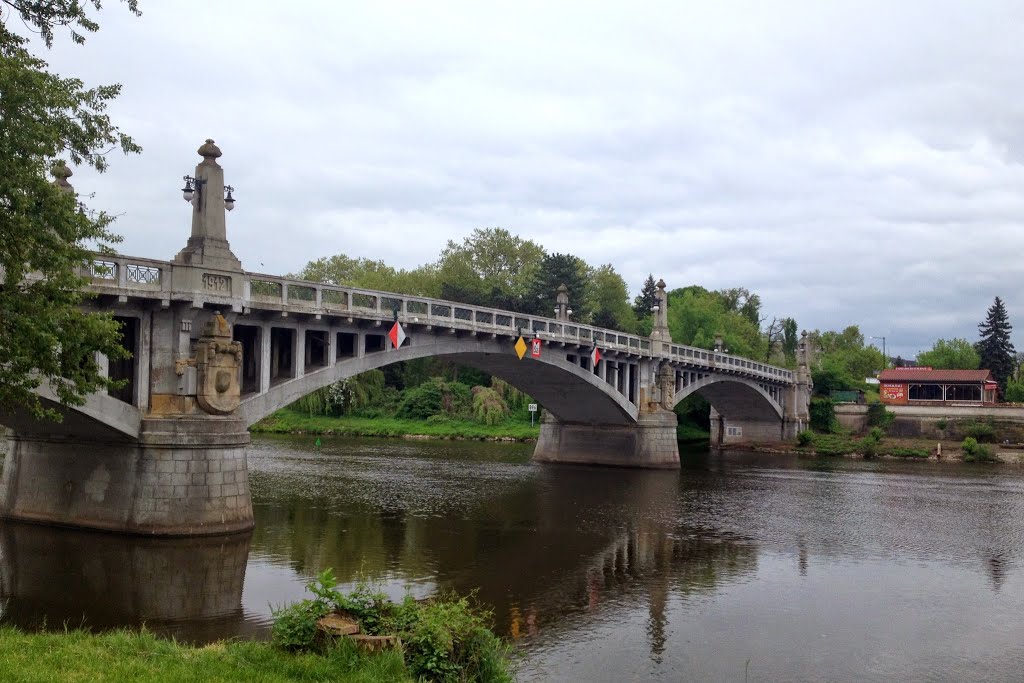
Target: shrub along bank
{"type": "Point", "coordinates": [442, 639]}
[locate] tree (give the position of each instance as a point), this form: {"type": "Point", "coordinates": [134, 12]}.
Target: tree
{"type": "Point", "coordinates": [555, 270]}
{"type": "Point", "coordinates": [45, 336]}
{"type": "Point", "coordinates": [696, 315]}
{"type": "Point", "coordinates": [951, 354]}
{"type": "Point", "coordinates": [491, 267]}
{"type": "Point", "coordinates": [994, 348]}
{"type": "Point", "coordinates": [646, 299]}
{"type": "Point", "coordinates": [790, 339]}
{"type": "Point", "coordinates": [610, 300]}
{"type": "Point", "coordinates": [369, 274]}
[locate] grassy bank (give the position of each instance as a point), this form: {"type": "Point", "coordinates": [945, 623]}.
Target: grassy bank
{"type": "Point", "coordinates": [133, 656]}
{"type": "Point", "coordinates": [293, 422]}
{"type": "Point", "coordinates": [689, 433]}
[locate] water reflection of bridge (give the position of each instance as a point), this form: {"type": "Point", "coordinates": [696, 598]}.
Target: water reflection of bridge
{"type": "Point", "coordinates": [187, 588]}
{"type": "Point", "coordinates": [560, 546]}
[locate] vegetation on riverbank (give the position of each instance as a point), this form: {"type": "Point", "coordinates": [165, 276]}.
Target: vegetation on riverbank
{"type": "Point", "coordinates": [141, 656]}
{"type": "Point", "coordinates": [443, 639]}
{"type": "Point", "coordinates": [290, 421]}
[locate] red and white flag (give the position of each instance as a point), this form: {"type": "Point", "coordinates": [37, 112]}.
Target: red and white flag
{"type": "Point", "coordinates": [396, 335]}
{"type": "Point", "coordinates": [595, 357]}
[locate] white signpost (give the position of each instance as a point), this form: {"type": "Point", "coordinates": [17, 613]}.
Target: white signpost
{"type": "Point", "coordinates": [532, 407]}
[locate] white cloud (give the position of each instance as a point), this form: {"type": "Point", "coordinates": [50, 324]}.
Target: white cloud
{"type": "Point", "coordinates": [851, 162]}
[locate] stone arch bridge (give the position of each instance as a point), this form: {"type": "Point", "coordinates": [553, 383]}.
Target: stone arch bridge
{"type": "Point", "coordinates": [215, 348]}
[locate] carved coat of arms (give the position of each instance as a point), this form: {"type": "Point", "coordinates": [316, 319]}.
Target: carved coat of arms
{"type": "Point", "coordinates": [218, 360]}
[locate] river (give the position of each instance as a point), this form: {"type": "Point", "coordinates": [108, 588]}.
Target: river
{"type": "Point", "coordinates": [739, 566]}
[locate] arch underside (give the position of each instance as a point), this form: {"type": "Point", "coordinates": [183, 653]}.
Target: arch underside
{"type": "Point", "coordinates": [735, 397]}
{"type": "Point", "coordinates": [101, 417]}
{"type": "Point", "coordinates": [567, 391]}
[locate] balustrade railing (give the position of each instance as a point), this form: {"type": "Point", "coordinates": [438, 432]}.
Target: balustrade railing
{"type": "Point", "coordinates": [259, 290]}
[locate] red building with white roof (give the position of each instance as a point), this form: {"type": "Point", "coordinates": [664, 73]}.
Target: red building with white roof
{"type": "Point", "coordinates": [924, 386]}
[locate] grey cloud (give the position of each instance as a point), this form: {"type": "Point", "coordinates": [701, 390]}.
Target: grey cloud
{"type": "Point", "coordinates": [853, 163]}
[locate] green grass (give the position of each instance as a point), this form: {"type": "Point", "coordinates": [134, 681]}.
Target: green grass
{"type": "Point", "coordinates": [72, 656]}
{"type": "Point", "coordinates": [689, 433]}
{"type": "Point", "coordinates": [291, 422]}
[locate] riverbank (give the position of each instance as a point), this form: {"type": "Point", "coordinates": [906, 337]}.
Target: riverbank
{"type": "Point", "coordinates": [141, 656]}
{"type": "Point", "coordinates": [293, 422]}
{"type": "Point", "coordinates": [888, 447]}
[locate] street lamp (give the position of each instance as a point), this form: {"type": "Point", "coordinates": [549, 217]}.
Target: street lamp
{"type": "Point", "coordinates": [885, 358]}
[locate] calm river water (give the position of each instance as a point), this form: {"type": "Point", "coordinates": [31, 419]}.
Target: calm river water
{"type": "Point", "coordinates": [738, 566]}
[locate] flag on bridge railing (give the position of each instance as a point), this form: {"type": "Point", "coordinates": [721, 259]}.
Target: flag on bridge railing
{"type": "Point", "coordinates": [396, 335]}
{"type": "Point", "coordinates": [595, 357]}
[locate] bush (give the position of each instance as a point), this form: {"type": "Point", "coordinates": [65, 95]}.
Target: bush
{"type": "Point", "coordinates": [904, 452]}
{"type": "Point", "coordinates": [488, 408]}
{"type": "Point", "coordinates": [805, 438]}
{"type": "Point", "coordinates": [294, 626]}
{"type": "Point", "coordinates": [869, 444]}
{"type": "Point", "coordinates": [878, 416]}
{"type": "Point", "coordinates": [982, 432]}
{"type": "Point", "coordinates": [941, 424]}
{"type": "Point", "coordinates": [433, 397]}
{"type": "Point", "coordinates": [830, 444]}
{"type": "Point", "coordinates": [445, 639]}
{"type": "Point", "coordinates": [973, 451]}
{"type": "Point", "coordinates": [823, 415]}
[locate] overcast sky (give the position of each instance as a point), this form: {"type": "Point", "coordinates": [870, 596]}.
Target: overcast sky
{"type": "Point", "coordinates": [852, 163]}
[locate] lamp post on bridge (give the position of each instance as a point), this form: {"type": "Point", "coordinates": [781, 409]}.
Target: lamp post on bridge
{"type": "Point", "coordinates": [562, 310]}
{"type": "Point", "coordinates": [211, 199]}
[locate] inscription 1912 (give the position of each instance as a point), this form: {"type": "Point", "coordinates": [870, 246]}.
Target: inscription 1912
{"type": "Point", "coordinates": [217, 283]}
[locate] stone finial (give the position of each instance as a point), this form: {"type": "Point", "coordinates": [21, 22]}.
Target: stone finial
{"type": "Point", "coordinates": [562, 288]}
{"type": "Point", "coordinates": [661, 284]}
{"type": "Point", "coordinates": [209, 151]}
{"type": "Point", "coordinates": [61, 173]}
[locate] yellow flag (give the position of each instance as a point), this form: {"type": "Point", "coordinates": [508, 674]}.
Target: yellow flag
{"type": "Point", "coordinates": [520, 348]}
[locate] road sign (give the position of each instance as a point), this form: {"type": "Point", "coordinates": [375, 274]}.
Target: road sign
{"type": "Point", "coordinates": [532, 407]}
{"type": "Point", "coordinates": [396, 335]}
{"type": "Point", "coordinates": [535, 348]}
{"type": "Point", "coordinates": [520, 348]}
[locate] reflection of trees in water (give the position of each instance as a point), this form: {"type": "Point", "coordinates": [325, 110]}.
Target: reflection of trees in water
{"type": "Point", "coordinates": [565, 542]}
{"type": "Point", "coordinates": [190, 588]}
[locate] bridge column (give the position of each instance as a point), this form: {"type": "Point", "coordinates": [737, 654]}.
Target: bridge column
{"type": "Point", "coordinates": [650, 443]}
{"type": "Point", "coordinates": [797, 399]}
{"type": "Point", "coordinates": [184, 477]}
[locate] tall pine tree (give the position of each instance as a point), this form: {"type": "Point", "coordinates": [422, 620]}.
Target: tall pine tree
{"type": "Point", "coordinates": [994, 347]}
{"type": "Point", "coordinates": [646, 299]}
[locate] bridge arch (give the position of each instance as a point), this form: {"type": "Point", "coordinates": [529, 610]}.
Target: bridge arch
{"type": "Point", "coordinates": [101, 416]}
{"type": "Point", "coordinates": [569, 392]}
{"type": "Point", "coordinates": [734, 397]}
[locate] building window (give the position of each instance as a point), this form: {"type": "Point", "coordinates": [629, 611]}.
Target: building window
{"type": "Point", "coordinates": [963, 392]}
{"type": "Point", "coordinates": [925, 392]}
{"type": "Point", "coordinates": [733, 431]}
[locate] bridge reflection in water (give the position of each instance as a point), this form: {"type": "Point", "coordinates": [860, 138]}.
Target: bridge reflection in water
{"type": "Point", "coordinates": [187, 588]}
{"type": "Point", "coordinates": [548, 548]}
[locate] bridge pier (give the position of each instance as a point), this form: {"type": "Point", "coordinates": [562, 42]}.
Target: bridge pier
{"type": "Point", "coordinates": [650, 443]}
{"type": "Point", "coordinates": [185, 476]}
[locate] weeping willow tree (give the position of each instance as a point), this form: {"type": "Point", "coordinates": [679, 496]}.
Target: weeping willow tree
{"type": "Point", "coordinates": [513, 398]}
{"type": "Point", "coordinates": [344, 396]}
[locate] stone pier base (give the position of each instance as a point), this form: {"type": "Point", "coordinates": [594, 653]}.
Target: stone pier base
{"type": "Point", "coordinates": [725, 431]}
{"type": "Point", "coordinates": [651, 443]}
{"type": "Point", "coordinates": [184, 477]}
